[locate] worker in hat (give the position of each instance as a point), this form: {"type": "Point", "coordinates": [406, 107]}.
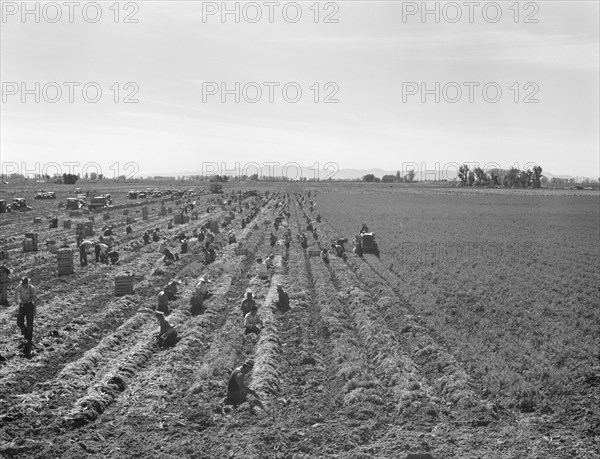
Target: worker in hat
{"type": "Point", "coordinates": [237, 387]}
{"type": "Point", "coordinates": [171, 289]}
{"type": "Point", "coordinates": [167, 336]}
{"type": "Point", "coordinates": [25, 297]}
{"type": "Point", "coordinates": [163, 302]}
{"type": "Point", "coordinates": [247, 303]}
{"type": "Point", "coordinates": [202, 287]}
{"type": "Point", "coordinates": [283, 303]}
{"type": "Point", "coordinates": [263, 271]}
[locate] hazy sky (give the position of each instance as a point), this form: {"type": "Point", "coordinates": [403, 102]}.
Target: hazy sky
{"type": "Point", "coordinates": [372, 61]}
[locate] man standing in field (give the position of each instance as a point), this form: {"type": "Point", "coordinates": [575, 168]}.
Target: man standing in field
{"type": "Point", "coordinates": [247, 304]}
{"type": "Point", "coordinates": [163, 302]}
{"type": "Point", "coordinates": [25, 297]}
{"type": "Point", "coordinates": [236, 386]}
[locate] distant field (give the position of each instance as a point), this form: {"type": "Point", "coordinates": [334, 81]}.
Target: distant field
{"type": "Point", "coordinates": [508, 282]}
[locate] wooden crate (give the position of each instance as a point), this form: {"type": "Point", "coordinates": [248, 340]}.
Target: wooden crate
{"type": "Point", "coordinates": [37, 219]}
{"type": "Point", "coordinates": [30, 243]}
{"type": "Point", "coordinates": [123, 284]}
{"type": "Point", "coordinates": [64, 258]}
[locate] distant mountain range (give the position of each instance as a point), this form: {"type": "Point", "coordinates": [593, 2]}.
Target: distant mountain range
{"type": "Point", "coordinates": [343, 174]}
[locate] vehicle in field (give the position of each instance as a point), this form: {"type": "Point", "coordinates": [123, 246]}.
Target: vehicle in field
{"type": "Point", "coordinates": [142, 195]}
{"type": "Point", "coordinates": [132, 194]}
{"type": "Point", "coordinates": [99, 202]}
{"type": "Point", "coordinates": [365, 243]}
{"type": "Point", "coordinates": [45, 195]}
{"type": "Point", "coordinates": [20, 205]}
{"type": "Point", "coordinates": [82, 198]}
{"type": "Point", "coordinates": [4, 206]}
{"type": "Point", "coordinates": [77, 190]}
{"type": "Point", "coordinates": [216, 187]}
{"type": "Point", "coordinates": [73, 204]}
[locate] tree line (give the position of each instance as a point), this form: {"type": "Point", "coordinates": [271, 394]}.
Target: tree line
{"type": "Point", "coordinates": [477, 177]}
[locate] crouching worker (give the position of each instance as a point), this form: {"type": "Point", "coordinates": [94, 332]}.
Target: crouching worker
{"type": "Point", "coordinates": [197, 304]}
{"type": "Point", "coordinates": [113, 256]}
{"type": "Point", "coordinates": [283, 303]}
{"type": "Point", "coordinates": [169, 257]}
{"type": "Point", "coordinates": [251, 321]}
{"type": "Point", "coordinates": [236, 386]}
{"type": "Point", "coordinates": [167, 336]}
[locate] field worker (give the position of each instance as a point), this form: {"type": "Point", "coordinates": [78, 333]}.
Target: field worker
{"type": "Point", "coordinates": [324, 256]}
{"type": "Point", "coordinates": [163, 302]}
{"type": "Point", "coordinates": [202, 287]}
{"type": "Point", "coordinates": [243, 223]}
{"type": "Point", "coordinates": [287, 240]}
{"type": "Point", "coordinates": [169, 255]}
{"type": "Point", "coordinates": [184, 246]}
{"type": "Point", "coordinates": [309, 227]}
{"type": "Point", "coordinates": [146, 237]}
{"type": "Point", "coordinates": [303, 241]}
{"type": "Point", "coordinates": [197, 304]}
{"type": "Point", "coordinates": [236, 386]}
{"type": "Point", "coordinates": [283, 303]}
{"type": "Point", "coordinates": [231, 239]}
{"type": "Point", "coordinates": [315, 235]}
{"type": "Point", "coordinates": [263, 272]}
{"type": "Point", "coordinates": [155, 235]}
{"type": "Point", "coordinates": [251, 321]}
{"type": "Point", "coordinates": [318, 218]}
{"type": "Point", "coordinates": [170, 224]}
{"type": "Point", "coordinates": [54, 222]}
{"type": "Point", "coordinates": [82, 254]}
{"type": "Point", "coordinates": [129, 229]}
{"type": "Point", "coordinates": [103, 252]}
{"type": "Point", "coordinates": [247, 304]}
{"type": "Point", "coordinates": [167, 336]}
{"type": "Point", "coordinates": [171, 289]}
{"type": "Point", "coordinates": [269, 261]}
{"type": "Point", "coordinates": [108, 231]}
{"type": "Point", "coordinates": [113, 256]}
{"type": "Point", "coordinates": [272, 240]}
{"type": "Point", "coordinates": [25, 297]}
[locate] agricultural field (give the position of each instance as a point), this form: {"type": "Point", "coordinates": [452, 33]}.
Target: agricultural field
{"type": "Point", "coordinates": [474, 334]}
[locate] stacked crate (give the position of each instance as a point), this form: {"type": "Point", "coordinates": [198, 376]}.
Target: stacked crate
{"type": "Point", "coordinates": [64, 257]}
{"type": "Point", "coordinates": [123, 284]}
{"type": "Point", "coordinates": [85, 229]}
{"type": "Point", "coordinates": [30, 243]}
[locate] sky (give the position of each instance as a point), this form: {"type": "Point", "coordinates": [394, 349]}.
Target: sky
{"type": "Point", "coordinates": [514, 86]}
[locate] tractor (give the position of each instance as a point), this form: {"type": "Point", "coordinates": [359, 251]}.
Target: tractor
{"type": "Point", "coordinates": [365, 243]}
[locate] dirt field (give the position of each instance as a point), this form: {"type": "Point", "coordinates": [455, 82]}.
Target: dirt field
{"type": "Point", "coordinates": [474, 334]}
